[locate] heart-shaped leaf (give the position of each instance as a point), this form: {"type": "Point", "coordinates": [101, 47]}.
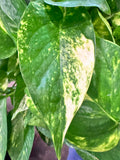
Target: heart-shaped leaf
{"type": "Point", "coordinates": [95, 132]}
{"type": "Point", "coordinates": [102, 4]}
{"type": "Point", "coordinates": [113, 154]}
{"type": "Point", "coordinates": [56, 54]}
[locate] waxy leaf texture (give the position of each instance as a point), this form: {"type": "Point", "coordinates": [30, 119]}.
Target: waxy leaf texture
{"type": "Point", "coordinates": [101, 4]}
{"type": "Point", "coordinates": [56, 54]}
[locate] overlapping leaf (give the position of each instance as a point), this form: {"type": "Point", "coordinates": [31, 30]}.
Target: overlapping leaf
{"type": "Point", "coordinates": [113, 154]}
{"type": "Point", "coordinates": [3, 76]}
{"type": "Point", "coordinates": [101, 25]}
{"type": "Point", "coordinates": [13, 70]}
{"type": "Point", "coordinates": [10, 14]}
{"type": "Point", "coordinates": [7, 46]}
{"type": "Point", "coordinates": [4, 64]}
{"type": "Point", "coordinates": [92, 129]}
{"type": "Point", "coordinates": [98, 119]}
{"type": "Point", "coordinates": [19, 93]}
{"type": "Point", "coordinates": [36, 118]}
{"type": "Point", "coordinates": [3, 129]}
{"type": "Point", "coordinates": [20, 138]}
{"type": "Point", "coordinates": [105, 83]}
{"type": "Point", "coordinates": [86, 155]}
{"type": "Point", "coordinates": [56, 54]}
{"type": "Point", "coordinates": [116, 27]}
{"type": "Point", "coordinates": [114, 5]}
{"type": "Point", "coordinates": [102, 4]}
{"type": "Point", "coordinates": [3, 80]}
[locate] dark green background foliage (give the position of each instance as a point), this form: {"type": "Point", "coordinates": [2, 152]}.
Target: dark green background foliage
{"type": "Point", "coordinates": [62, 58]}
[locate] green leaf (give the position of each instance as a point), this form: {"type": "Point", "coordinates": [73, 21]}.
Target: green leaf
{"type": "Point", "coordinates": [32, 120]}
{"type": "Point", "coordinates": [34, 116]}
{"type": "Point", "coordinates": [113, 154]}
{"type": "Point", "coordinates": [20, 138]}
{"type": "Point", "coordinates": [20, 108]}
{"type": "Point", "coordinates": [114, 5]}
{"type": "Point", "coordinates": [19, 93]}
{"type": "Point", "coordinates": [3, 80]}
{"type": "Point", "coordinates": [106, 77]}
{"type": "Point", "coordinates": [95, 132]}
{"type": "Point", "coordinates": [56, 54]}
{"type": "Point", "coordinates": [101, 4]}
{"type": "Point", "coordinates": [116, 20]}
{"type": "Point", "coordinates": [27, 1]}
{"type": "Point", "coordinates": [98, 128]}
{"type": "Point", "coordinates": [28, 143]}
{"type": "Point", "coordinates": [3, 64]}
{"type": "Point", "coordinates": [13, 67]}
{"type": "Point", "coordinates": [85, 155]}
{"type": "Point", "coordinates": [44, 131]}
{"type": "Point", "coordinates": [101, 25]}
{"type": "Point", "coordinates": [10, 14]}
{"type": "Point", "coordinates": [3, 129]}
{"type": "Point", "coordinates": [116, 27]}
{"type": "Point", "coordinates": [116, 34]}
{"type": "Point", "coordinates": [7, 46]}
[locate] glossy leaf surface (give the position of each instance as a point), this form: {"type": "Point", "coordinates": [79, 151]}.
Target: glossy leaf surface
{"type": "Point", "coordinates": [86, 155]}
{"type": "Point", "coordinates": [20, 138]}
{"type": "Point", "coordinates": [95, 132]}
{"type": "Point", "coordinates": [102, 4]}
{"type": "Point", "coordinates": [104, 88]}
{"type": "Point", "coordinates": [10, 14]}
{"type": "Point", "coordinates": [7, 46]}
{"type": "Point", "coordinates": [98, 128]}
{"type": "Point", "coordinates": [56, 56]}
{"type": "Point", "coordinates": [34, 116]}
{"type": "Point", "coordinates": [3, 129]}
{"type": "Point", "coordinates": [113, 154]}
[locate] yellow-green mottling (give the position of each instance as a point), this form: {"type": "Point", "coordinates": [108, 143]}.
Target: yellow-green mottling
{"type": "Point", "coordinates": [20, 138]}
{"type": "Point", "coordinates": [10, 20]}
{"type": "Point", "coordinates": [56, 54]}
{"type": "Point", "coordinates": [99, 116]}
{"type": "Point", "coordinates": [7, 46]}
{"type": "Point", "coordinates": [96, 131]}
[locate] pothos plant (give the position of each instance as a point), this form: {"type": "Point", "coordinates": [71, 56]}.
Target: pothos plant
{"type": "Point", "coordinates": [63, 59]}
